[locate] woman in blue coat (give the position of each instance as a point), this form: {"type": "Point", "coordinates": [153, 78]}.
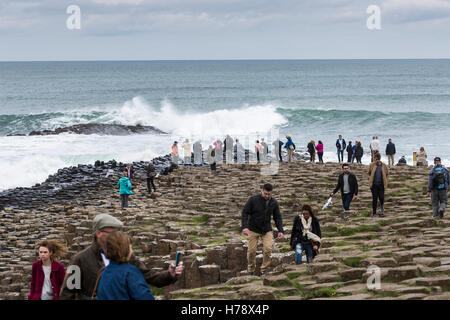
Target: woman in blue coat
{"type": "Point", "coordinates": [125, 189]}
{"type": "Point", "coordinates": [121, 280]}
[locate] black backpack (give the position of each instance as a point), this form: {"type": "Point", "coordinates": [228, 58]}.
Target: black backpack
{"type": "Point", "coordinates": [439, 176]}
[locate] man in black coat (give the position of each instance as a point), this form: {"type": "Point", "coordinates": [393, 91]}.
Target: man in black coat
{"type": "Point", "coordinates": [390, 152]}
{"type": "Point", "coordinates": [348, 185]}
{"type": "Point", "coordinates": [349, 152]}
{"type": "Point", "coordinates": [256, 217]}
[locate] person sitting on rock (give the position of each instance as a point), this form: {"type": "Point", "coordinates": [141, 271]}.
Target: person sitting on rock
{"type": "Point", "coordinates": [80, 281]}
{"type": "Point", "coordinates": [47, 275]}
{"type": "Point", "coordinates": [121, 280]}
{"type": "Point", "coordinates": [125, 189]}
{"type": "Point", "coordinates": [168, 170]}
{"type": "Point", "coordinates": [401, 161]}
{"type": "Point", "coordinates": [305, 235]}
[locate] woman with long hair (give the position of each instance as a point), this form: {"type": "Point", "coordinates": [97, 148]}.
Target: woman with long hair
{"type": "Point", "coordinates": [47, 275]}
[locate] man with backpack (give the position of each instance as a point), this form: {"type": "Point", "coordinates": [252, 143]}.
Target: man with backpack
{"type": "Point", "coordinates": [438, 181]}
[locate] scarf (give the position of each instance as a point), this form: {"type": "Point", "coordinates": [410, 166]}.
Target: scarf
{"type": "Point", "coordinates": [306, 229]}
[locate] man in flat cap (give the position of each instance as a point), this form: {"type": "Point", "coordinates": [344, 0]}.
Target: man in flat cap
{"type": "Point", "coordinates": [88, 262]}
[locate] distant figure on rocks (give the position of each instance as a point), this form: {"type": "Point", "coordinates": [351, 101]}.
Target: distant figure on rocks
{"type": "Point", "coordinates": [47, 275]}
{"type": "Point", "coordinates": [312, 151]}
{"type": "Point", "coordinates": [277, 144]}
{"type": "Point", "coordinates": [125, 189]}
{"type": "Point", "coordinates": [130, 171]}
{"type": "Point", "coordinates": [264, 150]}
{"type": "Point", "coordinates": [349, 152]}
{"type": "Point", "coordinates": [402, 161]}
{"type": "Point", "coordinates": [258, 151]}
{"type": "Point", "coordinates": [151, 174]}
{"type": "Point", "coordinates": [422, 157]}
{"type": "Point", "coordinates": [438, 182]}
{"type": "Point", "coordinates": [198, 153]}
{"type": "Point", "coordinates": [390, 152]}
{"type": "Point", "coordinates": [378, 182]}
{"type": "Point", "coordinates": [256, 217]}
{"type": "Point", "coordinates": [168, 170]}
{"type": "Point", "coordinates": [348, 185]}
{"type": "Point", "coordinates": [359, 152]}
{"type": "Point", "coordinates": [306, 235]}
{"type": "Point", "coordinates": [212, 158]}
{"type": "Point", "coordinates": [121, 280]}
{"type": "Point", "coordinates": [353, 151]}
{"type": "Point", "coordinates": [92, 259]}
{"type": "Point", "coordinates": [340, 146]}
{"type": "Point", "coordinates": [374, 147]}
{"type": "Point", "coordinates": [219, 151]}
{"type": "Point", "coordinates": [290, 147]}
{"type": "Point", "coordinates": [240, 152]}
{"type": "Point", "coordinates": [187, 152]}
{"type": "Point", "coordinates": [174, 154]}
{"type": "Point", "coordinates": [229, 150]}
{"type": "Point", "coordinates": [319, 149]}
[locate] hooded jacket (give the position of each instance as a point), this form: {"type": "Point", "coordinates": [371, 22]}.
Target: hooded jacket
{"type": "Point", "coordinates": [125, 185]}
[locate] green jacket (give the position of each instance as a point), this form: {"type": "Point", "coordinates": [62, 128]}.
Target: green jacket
{"type": "Point", "coordinates": [90, 262]}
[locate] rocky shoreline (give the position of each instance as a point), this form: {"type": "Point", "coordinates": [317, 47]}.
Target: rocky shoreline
{"type": "Point", "coordinates": [198, 214]}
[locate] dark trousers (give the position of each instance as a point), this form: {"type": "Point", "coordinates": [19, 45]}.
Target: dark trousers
{"type": "Point", "coordinates": [257, 155]}
{"type": "Point", "coordinates": [340, 154]}
{"type": "Point", "coordinates": [358, 159]}
{"type": "Point", "coordinates": [320, 154]}
{"type": "Point", "coordinates": [124, 199]}
{"type": "Point", "coordinates": [377, 194]}
{"type": "Point", "coordinates": [213, 166]}
{"type": "Point", "coordinates": [346, 199]}
{"type": "Point", "coordinates": [281, 158]}
{"type": "Point", "coordinates": [349, 157]}
{"type": "Point", "coordinates": [150, 181]}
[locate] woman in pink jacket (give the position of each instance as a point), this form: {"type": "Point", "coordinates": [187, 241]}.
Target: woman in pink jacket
{"type": "Point", "coordinates": [47, 275]}
{"type": "Point", "coordinates": [319, 148]}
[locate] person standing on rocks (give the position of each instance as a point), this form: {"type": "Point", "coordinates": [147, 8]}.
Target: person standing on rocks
{"type": "Point", "coordinates": [121, 280]}
{"type": "Point", "coordinates": [87, 264]}
{"type": "Point", "coordinates": [265, 150]}
{"type": "Point", "coordinates": [257, 151]}
{"type": "Point", "coordinates": [349, 152]}
{"type": "Point", "coordinates": [240, 152]}
{"type": "Point", "coordinates": [359, 152]}
{"type": "Point", "coordinates": [151, 174]}
{"type": "Point", "coordinates": [290, 146]}
{"type": "Point", "coordinates": [125, 189]}
{"type": "Point", "coordinates": [312, 151]}
{"type": "Point", "coordinates": [390, 152]}
{"type": "Point", "coordinates": [340, 145]}
{"type": "Point", "coordinates": [348, 184]}
{"type": "Point", "coordinates": [187, 152]}
{"type": "Point", "coordinates": [47, 275]}
{"type": "Point", "coordinates": [198, 154]}
{"type": "Point", "coordinates": [130, 171]}
{"type": "Point", "coordinates": [229, 150]}
{"type": "Point", "coordinates": [353, 151]}
{"type": "Point", "coordinates": [212, 158]}
{"type": "Point", "coordinates": [438, 182]}
{"type": "Point", "coordinates": [319, 149]}
{"type": "Point", "coordinates": [277, 144]}
{"type": "Point", "coordinates": [174, 154]}
{"type": "Point", "coordinates": [219, 151]}
{"type": "Point", "coordinates": [422, 157]}
{"type": "Point", "coordinates": [374, 147]}
{"type": "Point", "coordinates": [306, 235]}
{"type": "Point", "coordinates": [378, 182]}
{"type": "Point", "coordinates": [256, 217]}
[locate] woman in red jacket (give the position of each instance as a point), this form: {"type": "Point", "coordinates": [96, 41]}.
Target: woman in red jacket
{"type": "Point", "coordinates": [47, 275]}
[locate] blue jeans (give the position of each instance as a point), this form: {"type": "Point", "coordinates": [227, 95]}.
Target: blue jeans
{"type": "Point", "coordinates": [346, 199]}
{"type": "Point", "coordinates": [299, 251]}
{"type": "Point", "coordinates": [340, 155]}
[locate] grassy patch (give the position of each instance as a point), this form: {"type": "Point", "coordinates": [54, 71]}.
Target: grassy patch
{"type": "Point", "coordinates": [353, 262]}
{"type": "Point", "coordinates": [323, 292]}
{"type": "Point", "coordinates": [203, 219]}
{"type": "Point", "coordinates": [282, 283]}
{"type": "Point", "coordinates": [293, 275]}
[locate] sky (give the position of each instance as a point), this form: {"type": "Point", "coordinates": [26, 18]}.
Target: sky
{"type": "Point", "coordinates": [223, 29]}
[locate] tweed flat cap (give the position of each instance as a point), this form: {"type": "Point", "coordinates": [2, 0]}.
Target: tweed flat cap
{"type": "Point", "coordinates": [104, 220]}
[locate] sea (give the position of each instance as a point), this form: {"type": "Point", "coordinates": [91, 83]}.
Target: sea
{"type": "Point", "coordinates": [406, 100]}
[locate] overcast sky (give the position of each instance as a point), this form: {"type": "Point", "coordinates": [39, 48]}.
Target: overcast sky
{"type": "Point", "coordinates": [223, 29]}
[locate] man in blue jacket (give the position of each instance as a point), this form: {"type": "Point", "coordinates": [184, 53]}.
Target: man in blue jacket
{"type": "Point", "coordinates": [256, 217]}
{"type": "Point", "coordinates": [340, 145]}
{"type": "Point", "coordinates": [438, 181]}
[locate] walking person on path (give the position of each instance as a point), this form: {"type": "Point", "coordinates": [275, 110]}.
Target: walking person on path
{"type": "Point", "coordinates": [312, 151]}
{"type": "Point", "coordinates": [151, 174]}
{"type": "Point", "coordinates": [378, 182]}
{"type": "Point", "coordinates": [256, 217]}
{"type": "Point", "coordinates": [319, 149]}
{"type": "Point", "coordinates": [438, 182]}
{"type": "Point", "coordinates": [348, 185]}
{"type": "Point", "coordinates": [290, 146]}
{"type": "Point", "coordinates": [125, 189]}
{"type": "Point", "coordinates": [359, 152]}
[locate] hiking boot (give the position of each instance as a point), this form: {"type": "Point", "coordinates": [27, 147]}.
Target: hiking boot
{"type": "Point", "coordinates": [441, 213]}
{"type": "Point", "coordinates": [375, 216]}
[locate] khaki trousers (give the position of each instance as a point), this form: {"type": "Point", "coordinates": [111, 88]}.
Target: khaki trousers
{"type": "Point", "coordinates": [391, 159]}
{"type": "Point", "coordinates": [251, 251]}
